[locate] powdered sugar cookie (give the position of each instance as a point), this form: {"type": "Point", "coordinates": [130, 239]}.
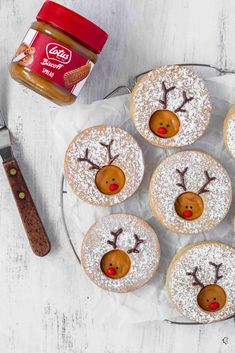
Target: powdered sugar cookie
{"type": "Point", "coordinates": [170, 106]}
{"type": "Point", "coordinates": [190, 192]}
{"type": "Point", "coordinates": [229, 131]}
{"type": "Point", "coordinates": [201, 279]}
{"type": "Point", "coordinates": [120, 253]}
{"type": "Point", "coordinates": [104, 165]}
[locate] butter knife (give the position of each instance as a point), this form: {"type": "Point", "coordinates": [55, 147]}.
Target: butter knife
{"type": "Point", "coordinates": [35, 231]}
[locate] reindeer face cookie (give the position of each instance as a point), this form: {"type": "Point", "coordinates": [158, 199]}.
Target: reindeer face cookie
{"type": "Point", "coordinates": [201, 279]}
{"type": "Point", "coordinates": [104, 165]}
{"type": "Point", "coordinates": [170, 106]}
{"type": "Point", "coordinates": [120, 253]}
{"type": "Point", "coordinates": [190, 192]}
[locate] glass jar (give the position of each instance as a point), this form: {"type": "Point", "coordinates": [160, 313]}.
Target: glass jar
{"type": "Point", "coordinates": [58, 53]}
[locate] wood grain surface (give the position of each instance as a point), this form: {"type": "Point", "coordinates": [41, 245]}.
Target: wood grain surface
{"type": "Point", "coordinates": [43, 305]}
{"type": "Point", "coordinates": [30, 218]}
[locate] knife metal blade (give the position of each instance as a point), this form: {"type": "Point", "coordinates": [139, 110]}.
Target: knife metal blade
{"type": "Point", "coordinates": [5, 142]}
{"type": "Point", "coordinates": [32, 223]}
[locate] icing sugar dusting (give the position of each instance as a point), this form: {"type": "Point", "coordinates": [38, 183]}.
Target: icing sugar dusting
{"type": "Point", "coordinates": [148, 92]}
{"type": "Point", "coordinates": [143, 264]}
{"type": "Point", "coordinates": [230, 135]}
{"type": "Point", "coordinates": [184, 294]}
{"type": "Point", "coordinates": [82, 179]}
{"type": "Point", "coordinates": [164, 191]}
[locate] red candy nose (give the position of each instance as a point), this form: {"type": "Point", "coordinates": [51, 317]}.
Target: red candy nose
{"type": "Point", "coordinates": [187, 214]}
{"type": "Point", "coordinates": [113, 187]}
{"type": "Point", "coordinates": [214, 305]}
{"type": "Point", "coordinates": [111, 271]}
{"type": "Point", "coordinates": [162, 130]}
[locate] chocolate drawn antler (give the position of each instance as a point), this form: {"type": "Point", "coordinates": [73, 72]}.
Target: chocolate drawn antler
{"type": "Point", "coordinates": [165, 94]}
{"type": "Point", "coordinates": [182, 174]}
{"type": "Point", "coordinates": [166, 91]}
{"type": "Point", "coordinates": [208, 180]}
{"type": "Point", "coordinates": [138, 241]}
{"type": "Point", "coordinates": [186, 100]}
{"type": "Point", "coordinates": [86, 159]}
{"type": "Point", "coordinates": [115, 234]}
{"type": "Point", "coordinates": [217, 268]}
{"type": "Point", "coordinates": [111, 158]}
{"type": "Point", "coordinates": [196, 280]}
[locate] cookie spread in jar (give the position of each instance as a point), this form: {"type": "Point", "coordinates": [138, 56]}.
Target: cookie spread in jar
{"type": "Point", "coordinates": [58, 53]}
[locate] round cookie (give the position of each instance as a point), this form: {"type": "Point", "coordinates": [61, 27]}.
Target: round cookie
{"type": "Point", "coordinates": [201, 279]}
{"type": "Point", "coordinates": [190, 192]}
{"type": "Point", "coordinates": [229, 131]}
{"type": "Point", "coordinates": [104, 165]}
{"type": "Point", "coordinates": [170, 106]}
{"type": "Point", "coordinates": [120, 253]}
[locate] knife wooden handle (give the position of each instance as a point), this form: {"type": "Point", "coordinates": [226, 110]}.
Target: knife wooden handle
{"type": "Point", "coordinates": [37, 236]}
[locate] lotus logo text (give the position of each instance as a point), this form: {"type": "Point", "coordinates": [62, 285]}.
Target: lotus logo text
{"type": "Point", "coordinates": [58, 53]}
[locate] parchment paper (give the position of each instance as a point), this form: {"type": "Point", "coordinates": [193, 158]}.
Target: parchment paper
{"type": "Point", "coordinates": [150, 302]}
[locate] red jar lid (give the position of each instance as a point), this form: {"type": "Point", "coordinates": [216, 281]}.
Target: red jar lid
{"type": "Point", "coordinates": [74, 24]}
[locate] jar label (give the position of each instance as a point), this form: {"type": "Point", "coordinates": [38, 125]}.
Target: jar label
{"type": "Point", "coordinates": [54, 61]}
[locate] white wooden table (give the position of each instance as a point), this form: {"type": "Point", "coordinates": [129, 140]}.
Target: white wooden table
{"type": "Point", "coordinates": [43, 308]}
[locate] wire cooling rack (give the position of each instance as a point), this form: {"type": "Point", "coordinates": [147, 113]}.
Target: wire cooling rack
{"type": "Point", "coordinates": [124, 89]}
